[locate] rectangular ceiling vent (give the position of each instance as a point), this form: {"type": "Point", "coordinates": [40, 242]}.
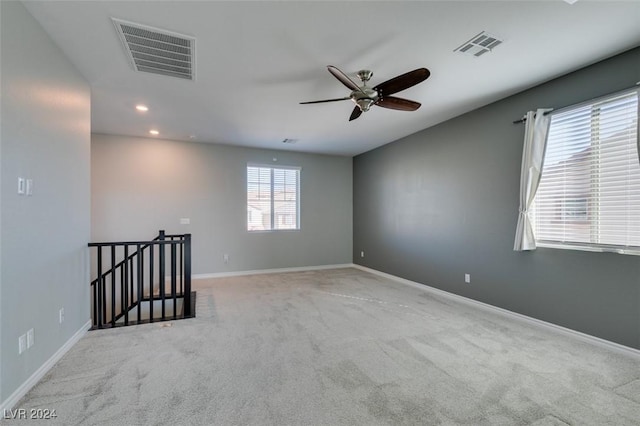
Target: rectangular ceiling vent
{"type": "Point", "coordinates": [157, 51]}
{"type": "Point", "coordinates": [479, 44]}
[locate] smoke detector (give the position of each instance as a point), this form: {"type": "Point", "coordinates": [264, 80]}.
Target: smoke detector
{"type": "Point", "coordinates": [479, 44]}
{"type": "Point", "coordinates": [157, 51]}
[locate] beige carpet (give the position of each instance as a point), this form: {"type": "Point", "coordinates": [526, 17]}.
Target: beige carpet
{"type": "Point", "coordinates": [336, 347]}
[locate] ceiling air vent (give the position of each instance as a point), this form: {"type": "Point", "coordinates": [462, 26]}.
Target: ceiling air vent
{"type": "Point", "coordinates": [479, 44]}
{"type": "Point", "coordinates": [157, 51]}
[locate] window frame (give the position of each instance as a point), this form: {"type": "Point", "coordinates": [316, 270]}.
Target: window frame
{"type": "Point", "coordinates": [272, 199]}
{"type": "Point", "coordinates": [583, 246]}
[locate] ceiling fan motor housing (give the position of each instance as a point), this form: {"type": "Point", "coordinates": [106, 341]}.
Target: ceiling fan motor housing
{"type": "Point", "coordinates": [364, 98]}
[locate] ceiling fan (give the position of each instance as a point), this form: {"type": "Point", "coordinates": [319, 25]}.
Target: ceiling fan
{"type": "Point", "coordinates": [365, 96]}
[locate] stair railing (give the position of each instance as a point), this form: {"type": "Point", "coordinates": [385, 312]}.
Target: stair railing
{"type": "Point", "coordinates": [126, 292]}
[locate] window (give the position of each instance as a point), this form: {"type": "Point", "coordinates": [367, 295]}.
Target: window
{"type": "Point", "coordinates": [273, 198]}
{"type": "Point", "coordinates": [589, 192]}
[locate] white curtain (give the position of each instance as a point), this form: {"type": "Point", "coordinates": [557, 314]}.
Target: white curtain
{"type": "Point", "coordinates": [535, 141]}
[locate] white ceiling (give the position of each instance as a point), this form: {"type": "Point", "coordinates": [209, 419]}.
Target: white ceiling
{"type": "Point", "coordinates": [257, 60]}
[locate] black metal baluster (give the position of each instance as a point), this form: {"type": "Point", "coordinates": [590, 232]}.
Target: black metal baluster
{"type": "Point", "coordinates": [113, 286]}
{"type": "Point", "coordinates": [174, 270]}
{"type": "Point", "coordinates": [126, 284]}
{"type": "Point", "coordinates": [187, 276]}
{"type": "Point", "coordinates": [140, 291]}
{"type": "Point", "coordinates": [99, 288]}
{"type": "Point", "coordinates": [161, 278]}
{"type": "Point", "coordinates": [181, 261]}
{"type": "Point", "coordinates": [151, 284]}
{"type": "Point", "coordinates": [132, 282]}
{"type": "Point", "coordinates": [122, 288]}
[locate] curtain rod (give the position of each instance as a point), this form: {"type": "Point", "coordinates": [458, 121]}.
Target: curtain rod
{"type": "Point", "coordinates": [523, 119]}
{"type": "Point", "coordinates": [635, 86]}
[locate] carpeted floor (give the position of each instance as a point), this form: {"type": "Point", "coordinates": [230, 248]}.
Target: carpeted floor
{"type": "Point", "coordinates": [336, 347]}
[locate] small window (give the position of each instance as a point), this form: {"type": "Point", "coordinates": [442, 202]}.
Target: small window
{"type": "Point", "coordinates": [273, 201]}
{"type": "Point", "coordinates": [589, 192]}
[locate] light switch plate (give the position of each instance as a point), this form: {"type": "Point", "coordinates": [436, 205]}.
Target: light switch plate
{"type": "Point", "coordinates": [22, 343]}
{"type": "Point", "coordinates": [31, 338]}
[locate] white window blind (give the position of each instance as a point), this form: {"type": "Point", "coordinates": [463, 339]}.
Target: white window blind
{"type": "Point", "coordinates": [272, 198]}
{"type": "Point", "coordinates": [589, 192]}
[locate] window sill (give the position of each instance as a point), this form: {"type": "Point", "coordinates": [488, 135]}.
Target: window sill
{"type": "Point", "coordinates": [634, 251]}
{"type": "Point", "coordinates": [269, 231]}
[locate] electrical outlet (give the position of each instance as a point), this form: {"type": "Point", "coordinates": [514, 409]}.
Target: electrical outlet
{"type": "Point", "coordinates": [185, 221]}
{"type": "Point", "coordinates": [31, 338]}
{"type": "Point", "coordinates": [467, 278]}
{"type": "Point", "coordinates": [21, 186]}
{"type": "Point", "coordinates": [29, 187]}
{"type": "Point", "coordinates": [225, 258]}
{"type": "Point", "coordinates": [362, 253]}
{"type": "Point", "coordinates": [61, 315]}
{"type": "Point", "coordinates": [22, 344]}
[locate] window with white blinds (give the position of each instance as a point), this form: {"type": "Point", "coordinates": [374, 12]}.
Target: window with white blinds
{"type": "Point", "coordinates": [272, 198]}
{"type": "Point", "coordinates": [589, 192]}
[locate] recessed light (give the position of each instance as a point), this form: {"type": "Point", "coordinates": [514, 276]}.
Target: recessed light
{"type": "Point", "coordinates": [154, 132]}
{"type": "Point", "coordinates": [142, 108]}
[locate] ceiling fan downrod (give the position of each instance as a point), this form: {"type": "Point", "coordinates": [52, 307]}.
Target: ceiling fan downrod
{"type": "Point", "coordinates": [364, 97]}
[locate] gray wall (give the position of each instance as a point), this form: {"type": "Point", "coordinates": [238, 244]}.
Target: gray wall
{"type": "Point", "coordinates": [141, 185]}
{"type": "Point", "coordinates": [46, 137]}
{"type": "Point", "coordinates": [444, 202]}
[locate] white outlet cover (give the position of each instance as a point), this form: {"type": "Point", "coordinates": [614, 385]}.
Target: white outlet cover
{"type": "Point", "coordinates": [21, 186]}
{"type": "Point", "coordinates": [61, 315]}
{"type": "Point", "coordinates": [31, 339]}
{"type": "Point", "coordinates": [467, 278]}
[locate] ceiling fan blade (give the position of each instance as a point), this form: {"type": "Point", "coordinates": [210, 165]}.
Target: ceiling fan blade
{"type": "Point", "coordinates": [392, 102]}
{"type": "Point", "coordinates": [344, 79]}
{"type": "Point", "coordinates": [402, 82]}
{"type": "Point", "coordinates": [326, 100]}
{"type": "Point", "coordinates": [355, 113]}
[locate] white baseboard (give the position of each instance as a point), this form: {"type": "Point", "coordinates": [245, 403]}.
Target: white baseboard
{"type": "Point", "coordinates": [13, 399]}
{"type": "Point", "coordinates": [616, 347]}
{"type": "Point", "coordinates": [270, 271]}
